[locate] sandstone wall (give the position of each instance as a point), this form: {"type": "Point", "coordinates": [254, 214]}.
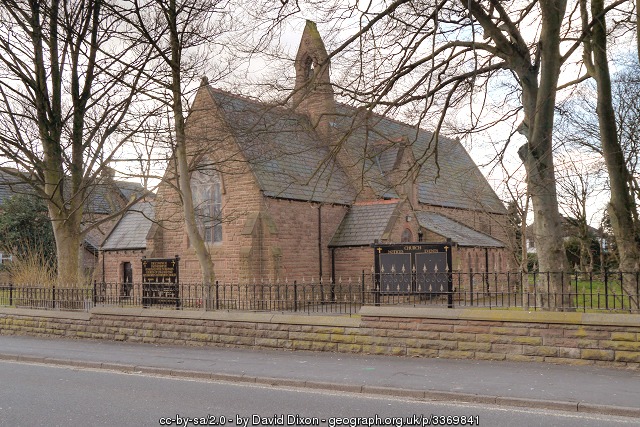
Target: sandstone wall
{"type": "Point", "coordinates": [570, 338]}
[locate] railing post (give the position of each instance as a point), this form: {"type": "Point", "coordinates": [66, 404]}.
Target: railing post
{"type": "Point", "coordinates": [53, 297]}
{"type": "Point", "coordinates": [295, 295]}
{"type": "Point", "coordinates": [363, 288]}
{"type": "Point", "coordinates": [577, 298]}
{"type": "Point", "coordinates": [10, 294]}
{"type": "Point", "coordinates": [95, 295]}
{"type": "Point", "coordinates": [471, 285]}
{"type": "Point", "coordinates": [217, 295]}
{"type": "Point", "coordinates": [637, 289]}
{"type": "Point", "coordinates": [590, 291]}
{"type": "Point", "coordinates": [449, 289]}
{"type": "Point", "coordinates": [606, 289]}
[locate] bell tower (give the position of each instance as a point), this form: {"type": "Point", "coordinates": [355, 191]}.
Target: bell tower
{"type": "Point", "coordinates": [313, 93]}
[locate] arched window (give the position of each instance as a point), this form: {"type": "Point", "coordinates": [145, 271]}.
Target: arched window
{"type": "Point", "coordinates": [407, 236]}
{"type": "Point", "coordinates": [309, 68]}
{"type": "Point", "coordinates": [207, 202]}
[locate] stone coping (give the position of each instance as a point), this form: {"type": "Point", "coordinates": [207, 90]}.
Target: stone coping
{"type": "Point", "coordinates": [230, 316]}
{"type": "Point", "coordinates": [56, 314]}
{"type": "Point", "coordinates": [596, 319]}
{"type": "Point", "coordinates": [234, 316]}
{"type": "Point", "coordinates": [552, 317]}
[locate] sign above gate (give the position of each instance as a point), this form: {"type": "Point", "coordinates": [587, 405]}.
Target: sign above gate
{"type": "Point", "coordinates": [160, 270]}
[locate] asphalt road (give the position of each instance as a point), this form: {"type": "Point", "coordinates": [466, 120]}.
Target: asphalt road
{"type": "Point", "coordinates": [529, 382]}
{"type": "Point", "coordinates": [35, 395]}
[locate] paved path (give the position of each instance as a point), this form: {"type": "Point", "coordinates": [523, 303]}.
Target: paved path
{"type": "Point", "coordinates": [572, 388]}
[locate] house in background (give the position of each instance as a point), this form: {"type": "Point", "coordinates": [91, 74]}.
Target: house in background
{"type": "Point", "coordinates": [304, 190]}
{"type": "Point", "coordinates": [569, 229]}
{"type": "Point", "coordinates": [106, 198]}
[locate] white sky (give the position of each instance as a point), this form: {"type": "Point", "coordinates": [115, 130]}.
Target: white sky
{"type": "Point", "coordinates": [482, 146]}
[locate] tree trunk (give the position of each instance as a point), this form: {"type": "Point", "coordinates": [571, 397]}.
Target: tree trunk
{"type": "Point", "coordinates": [524, 262]}
{"type": "Point", "coordinates": [68, 241]}
{"type": "Point", "coordinates": [182, 162]}
{"type": "Point", "coordinates": [622, 205]}
{"type": "Point", "coordinates": [539, 103]}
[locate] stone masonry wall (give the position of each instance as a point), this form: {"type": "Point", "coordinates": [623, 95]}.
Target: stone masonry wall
{"type": "Point", "coordinates": [568, 338]}
{"type": "Point", "coordinates": [114, 265]}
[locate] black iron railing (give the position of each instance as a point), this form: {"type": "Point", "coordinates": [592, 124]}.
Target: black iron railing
{"type": "Point", "coordinates": [587, 292]}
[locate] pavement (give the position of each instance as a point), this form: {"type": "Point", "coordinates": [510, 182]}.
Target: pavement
{"type": "Point", "coordinates": [532, 385]}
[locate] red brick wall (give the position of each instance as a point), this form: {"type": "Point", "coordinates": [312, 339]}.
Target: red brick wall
{"type": "Point", "coordinates": [113, 263]}
{"type": "Point", "coordinates": [209, 141]}
{"type": "Point", "coordinates": [297, 237]}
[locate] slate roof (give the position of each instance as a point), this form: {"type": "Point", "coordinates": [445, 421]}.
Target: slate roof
{"type": "Point", "coordinates": [363, 224]}
{"type": "Point", "coordinates": [459, 183]}
{"type": "Point", "coordinates": [131, 231]}
{"type": "Point", "coordinates": [460, 234]}
{"type": "Point", "coordinates": [290, 161]}
{"type": "Point", "coordinates": [98, 199]}
{"type": "Point", "coordinates": [287, 157]}
{"type": "Point", "coordinates": [10, 186]}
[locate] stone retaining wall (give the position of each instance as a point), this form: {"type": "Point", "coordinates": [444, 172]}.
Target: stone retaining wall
{"type": "Point", "coordinates": [573, 338]}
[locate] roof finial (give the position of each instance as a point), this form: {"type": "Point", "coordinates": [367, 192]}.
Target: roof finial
{"type": "Point", "coordinates": [204, 81]}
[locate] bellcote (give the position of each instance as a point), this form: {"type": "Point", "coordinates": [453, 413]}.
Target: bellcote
{"type": "Point", "coordinates": [313, 93]}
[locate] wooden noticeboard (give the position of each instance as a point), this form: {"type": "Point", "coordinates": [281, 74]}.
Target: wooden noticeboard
{"type": "Point", "coordinates": [160, 281]}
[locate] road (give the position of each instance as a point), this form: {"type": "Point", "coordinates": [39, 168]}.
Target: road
{"type": "Point", "coordinates": [34, 395]}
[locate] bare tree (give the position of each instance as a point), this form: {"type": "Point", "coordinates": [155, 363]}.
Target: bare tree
{"type": "Point", "coordinates": [580, 128]}
{"type": "Point", "coordinates": [580, 183]}
{"type": "Point", "coordinates": [518, 208]}
{"type": "Point", "coordinates": [434, 58]}
{"type": "Point", "coordinates": [181, 33]}
{"type": "Point", "coordinates": [622, 203]}
{"type": "Point", "coordinates": [67, 85]}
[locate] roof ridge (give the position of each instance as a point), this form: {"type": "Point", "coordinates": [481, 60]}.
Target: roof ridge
{"type": "Point", "coordinates": [377, 202]}
{"type": "Point", "coordinates": [391, 119]}
{"type": "Point", "coordinates": [255, 101]}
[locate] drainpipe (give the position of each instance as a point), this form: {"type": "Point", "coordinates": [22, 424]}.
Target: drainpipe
{"type": "Point", "coordinates": [333, 264]}
{"type": "Point", "coordinates": [333, 274]}
{"type": "Point", "coordinates": [103, 266]}
{"type": "Point", "coordinates": [486, 267]}
{"type": "Point", "coordinates": [320, 240]}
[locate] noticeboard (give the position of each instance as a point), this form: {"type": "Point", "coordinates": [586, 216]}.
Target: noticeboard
{"type": "Point", "coordinates": [413, 268]}
{"type": "Point", "coordinates": [160, 281]}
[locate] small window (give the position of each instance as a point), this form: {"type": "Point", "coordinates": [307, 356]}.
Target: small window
{"type": "Point", "coordinates": [207, 202]}
{"type": "Point", "coordinates": [5, 258]}
{"type": "Point", "coordinates": [309, 68]}
{"type": "Point", "coordinates": [407, 236]}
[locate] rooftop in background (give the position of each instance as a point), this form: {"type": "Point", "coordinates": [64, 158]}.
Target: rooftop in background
{"type": "Point", "coordinates": [131, 231]}
{"type": "Point", "coordinates": [99, 197]}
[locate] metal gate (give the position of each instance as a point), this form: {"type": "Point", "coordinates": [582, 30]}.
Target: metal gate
{"type": "Point", "coordinates": [414, 268]}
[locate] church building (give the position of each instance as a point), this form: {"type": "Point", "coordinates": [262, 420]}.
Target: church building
{"type": "Point", "coordinates": [306, 188]}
